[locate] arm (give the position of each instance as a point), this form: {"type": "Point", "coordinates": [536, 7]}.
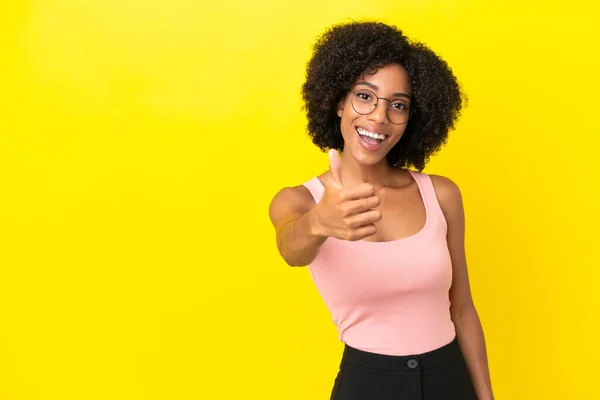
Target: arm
{"type": "Point", "coordinates": [291, 213]}
{"type": "Point", "coordinates": [464, 315]}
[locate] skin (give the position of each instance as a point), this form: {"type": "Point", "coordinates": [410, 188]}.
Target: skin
{"type": "Point", "coordinates": [300, 225]}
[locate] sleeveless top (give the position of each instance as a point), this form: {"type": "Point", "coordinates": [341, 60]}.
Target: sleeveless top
{"type": "Point", "coordinates": [389, 297]}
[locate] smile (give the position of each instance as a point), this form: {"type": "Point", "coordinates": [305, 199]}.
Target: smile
{"type": "Point", "coordinates": [370, 140]}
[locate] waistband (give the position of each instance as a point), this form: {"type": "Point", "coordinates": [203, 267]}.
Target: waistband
{"type": "Point", "coordinates": [414, 362]}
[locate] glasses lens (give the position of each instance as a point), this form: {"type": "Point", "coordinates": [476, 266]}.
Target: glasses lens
{"type": "Point", "coordinates": [363, 101]}
{"type": "Point", "coordinates": [398, 112]}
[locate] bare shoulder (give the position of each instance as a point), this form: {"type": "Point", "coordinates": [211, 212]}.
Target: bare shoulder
{"type": "Point", "coordinates": [289, 203]}
{"type": "Point", "coordinates": [448, 194]}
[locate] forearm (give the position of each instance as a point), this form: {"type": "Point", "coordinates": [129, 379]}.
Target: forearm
{"type": "Point", "coordinates": [297, 241]}
{"type": "Point", "coordinates": [472, 343]}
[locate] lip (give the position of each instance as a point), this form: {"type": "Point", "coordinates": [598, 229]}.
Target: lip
{"type": "Point", "coordinates": [370, 146]}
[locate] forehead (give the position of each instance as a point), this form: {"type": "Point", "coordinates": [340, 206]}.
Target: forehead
{"type": "Point", "coordinates": [392, 78]}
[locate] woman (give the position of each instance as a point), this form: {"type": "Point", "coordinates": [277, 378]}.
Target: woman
{"type": "Point", "coordinates": [384, 243]}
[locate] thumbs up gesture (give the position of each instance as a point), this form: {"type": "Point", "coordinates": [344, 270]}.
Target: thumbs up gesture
{"type": "Point", "coordinates": [346, 212]}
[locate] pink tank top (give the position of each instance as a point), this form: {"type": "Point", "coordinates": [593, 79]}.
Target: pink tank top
{"type": "Point", "coordinates": [389, 297]}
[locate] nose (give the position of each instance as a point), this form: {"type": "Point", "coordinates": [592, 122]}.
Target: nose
{"type": "Point", "coordinates": [379, 114]}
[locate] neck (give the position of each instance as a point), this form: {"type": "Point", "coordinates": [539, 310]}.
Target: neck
{"type": "Point", "coordinates": [354, 173]}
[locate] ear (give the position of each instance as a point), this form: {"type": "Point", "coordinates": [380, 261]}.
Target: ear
{"type": "Point", "coordinates": [340, 106]}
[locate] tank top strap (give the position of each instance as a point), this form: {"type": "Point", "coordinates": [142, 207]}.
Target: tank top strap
{"type": "Point", "coordinates": [430, 199]}
{"type": "Point", "coordinates": [315, 187]}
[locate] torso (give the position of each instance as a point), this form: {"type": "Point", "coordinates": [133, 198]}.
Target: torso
{"type": "Point", "coordinates": [390, 294]}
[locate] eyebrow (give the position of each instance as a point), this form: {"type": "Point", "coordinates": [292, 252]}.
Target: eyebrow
{"type": "Point", "coordinates": [374, 87]}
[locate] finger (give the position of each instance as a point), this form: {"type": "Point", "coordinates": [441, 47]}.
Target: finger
{"type": "Point", "coordinates": [357, 192]}
{"type": "Point", "coordinates": [366, 218]}
{"type": "Point", "coordinates": [363, 232]}
{"type": "Point", "coordinates": [358, 206]}
{"type": "Point", "coordinates": [335, 165]}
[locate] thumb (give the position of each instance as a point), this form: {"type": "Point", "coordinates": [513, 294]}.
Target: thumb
{"type": "Point", "coordinates": [335, 166]}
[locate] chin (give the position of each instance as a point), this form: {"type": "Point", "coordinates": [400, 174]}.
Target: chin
{"type": "Point", "coordinates": [364, 158]}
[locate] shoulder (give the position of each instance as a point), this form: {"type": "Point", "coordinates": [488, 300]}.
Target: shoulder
{"type": "Point", "coordinates": [293, 194]}
{"type": "Point", "coordinates": [289, 202]}
{"type": "Point", "coordinates": [448, 194]}
{"type": "Point", "coordinates": [444, 186]}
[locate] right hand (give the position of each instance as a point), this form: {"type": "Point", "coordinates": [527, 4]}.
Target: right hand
{"type": "Point", "coordinates": [346, 212]}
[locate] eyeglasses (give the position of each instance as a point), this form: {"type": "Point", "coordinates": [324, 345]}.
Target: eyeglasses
{"type": "Point", "coordinates": [365, 102]}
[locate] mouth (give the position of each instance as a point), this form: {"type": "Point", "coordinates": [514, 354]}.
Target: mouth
{"type": "Point", "coordinates": [370, 140]}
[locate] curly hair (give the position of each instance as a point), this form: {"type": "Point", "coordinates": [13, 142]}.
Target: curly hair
{"type": "Point", "coordinates": [347, 51]}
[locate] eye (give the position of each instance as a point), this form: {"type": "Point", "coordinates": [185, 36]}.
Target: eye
{"type": "Point", "coordinates": [399, 106]}
{"type": "Point", "coordinates": [363, 96]}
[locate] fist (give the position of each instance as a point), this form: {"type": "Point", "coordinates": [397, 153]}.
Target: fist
{"type": "Point", "coordinates": [346, 213]}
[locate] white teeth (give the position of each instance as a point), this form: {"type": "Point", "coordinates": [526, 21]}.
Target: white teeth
{"type": "Point", "coordinates": [363, 132]}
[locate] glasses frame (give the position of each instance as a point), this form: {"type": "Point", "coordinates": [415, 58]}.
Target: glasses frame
{"type": "Point", "coordinates": [387, 109]}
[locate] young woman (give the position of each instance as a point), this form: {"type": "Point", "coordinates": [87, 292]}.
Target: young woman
{"type": "Point", "coordinates": [385, 243]}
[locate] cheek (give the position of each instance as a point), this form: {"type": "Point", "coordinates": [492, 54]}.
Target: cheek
{"type": "Point", "coordinates": [347, 125]}
{"type": "Point", "coordinates": [347, 112]}
{"type": "Point", "coordinates": [397, 136]}
{"type": "Point", "coordinates": [349, 117]}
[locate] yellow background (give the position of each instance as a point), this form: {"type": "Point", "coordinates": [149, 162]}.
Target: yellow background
{"type": "Point", "coordinates": [140, 145]}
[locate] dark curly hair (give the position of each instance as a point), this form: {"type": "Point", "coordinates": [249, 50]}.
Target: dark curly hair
{"type": "Point", "coordinates": [345, 52]}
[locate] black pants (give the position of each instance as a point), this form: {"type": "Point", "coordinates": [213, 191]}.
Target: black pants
{"type": "Point", "coordinates": [440, 374]}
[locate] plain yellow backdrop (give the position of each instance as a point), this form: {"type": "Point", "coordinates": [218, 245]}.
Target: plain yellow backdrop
{"type": "Point", "coordinates": [141, 143]}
